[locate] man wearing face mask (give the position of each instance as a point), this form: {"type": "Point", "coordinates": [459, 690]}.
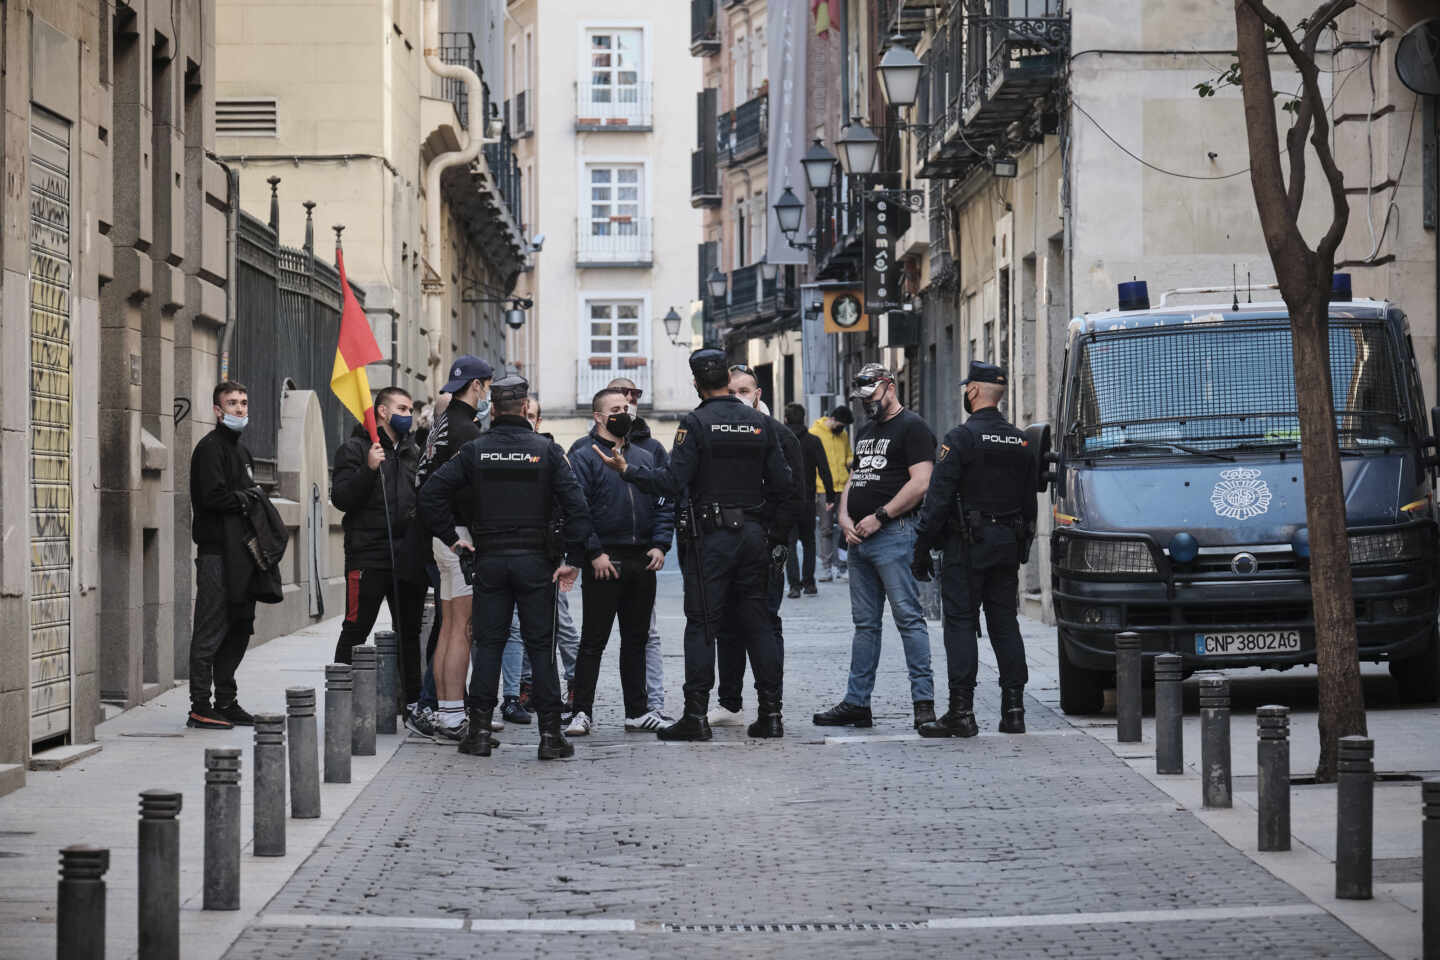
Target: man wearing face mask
{"type": "Point", "coordinates": [980, 509]}
{"type": "Point", "coordinates": [730, 651]}
{"type": "Point", "coordinates": [894, 455]}
{"type": "Point", "coordinates": [220, 472]}
{"type": "Point", "coordinates": [726, 462]}
{"type": "Point", "coordinates": [632, 532]}
{"type": "Point", "coordinates": [373, 485]}
{"type": "Point", "coordinates": [833, 434]}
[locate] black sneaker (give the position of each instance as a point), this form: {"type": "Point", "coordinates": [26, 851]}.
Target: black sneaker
{"type": "Point", "coordinates": [513, 712]}
{"type": "Point", "coordinates": [207, 718]}
{"type": "Point", "coordinates": [794, 593]}
{"type": "Point", "coordinates": [810, 590]}
{"type": "Point", "coordinates": [691, 726]}
{"type": "Point", "coordinates": [844, 714]}
{"type": "Point", "coordinates": [236, 714]}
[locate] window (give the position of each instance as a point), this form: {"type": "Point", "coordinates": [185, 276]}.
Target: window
{"type": "Point", "coordinates": [245, 117]}
{"type": "Point", "coordinates": [741, 236]}
{"type": "Point", "coordinates": [615, 203]}
{"type": "Point", "coordinates": [740, 69]}
{"type": "Point", "coordinates": [615, 66]}
{"type": "Point", "coordinates": [615, 329]}
{"type": "Point", "coordinates": [759, 55]}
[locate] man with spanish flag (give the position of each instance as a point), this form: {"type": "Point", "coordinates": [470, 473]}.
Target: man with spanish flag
{"type": "Point", "coordinates": [373, 484]}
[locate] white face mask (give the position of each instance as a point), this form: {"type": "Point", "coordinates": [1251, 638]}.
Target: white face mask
{"type": "Point", "coordinates": [238, 424]}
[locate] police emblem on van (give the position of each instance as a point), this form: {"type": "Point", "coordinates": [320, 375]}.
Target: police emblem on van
{"type": "Point", "coordinates": [1240, 494]}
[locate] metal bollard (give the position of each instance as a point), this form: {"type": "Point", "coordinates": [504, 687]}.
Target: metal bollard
{"type": "Point", "coordinates": [339, 704]}
{"type": "Point", "coordinates": [159, 919]}
{"type": "Point", "coordinates": [1272, 756]}
{"type": "Point", "coordinates": [1127, 688]}
{"type": "Point", "coordinates": [362, 667]}
{"type": "Point", "coordinates": [222, 829]}
{"type": "Point", "coordinates": [269, 785]}
{"type": "Point", "coordinates": [387, 680]}
{"type": "Point", "coordinates": [1215, 740]}
{"type": "Point", "coordinates": [80, 903]}
{"type": "Point", "coordinates": [304, 753]}
{"type": "Point", "coordinates": [1169, 714]}
{"type": "Point", "coordinates": [1430, 865]}
{"type": "Point", "coordinates": [1354, 818]}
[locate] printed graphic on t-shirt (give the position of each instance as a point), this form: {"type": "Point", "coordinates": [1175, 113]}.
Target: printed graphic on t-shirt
{"type": "Point", "coordinates": [870, 458]}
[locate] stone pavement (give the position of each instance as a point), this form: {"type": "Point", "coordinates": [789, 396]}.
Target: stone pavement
{"type": "Point", "coordinates": [859, 843]}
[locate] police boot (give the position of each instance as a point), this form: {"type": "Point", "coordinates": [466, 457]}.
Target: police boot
{"type": "Point", "coordinates": [767, 720]}
{"type": "Point", "coordinates": [924, 713]}
{"type": "Point", "coordinates": [478, 740]}
{"type": "Point", "coordinates": [690, 727]}
{"type": "Point", "coordinates": [1012, 710]}
{"type": "Point", "coordinates": [958, 721]}
{"type": "Point", "coordinates": [553, 745]}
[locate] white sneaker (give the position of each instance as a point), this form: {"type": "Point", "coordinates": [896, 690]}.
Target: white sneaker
{"type": "Point", "coordinates": [648, 722]}
{"type": "Point", "coordinates": [579, 725]}
{"type": "Point", "coordinates": [497, 723]}
{"type": "Point", "coordinates": [720, 717]}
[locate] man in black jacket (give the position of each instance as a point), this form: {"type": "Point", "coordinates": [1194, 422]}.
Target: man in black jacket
{"type": "Point", "coordinates": [816, 463]}
{"type": "Point", "coordinates": [373, 485]}
{"type": "Point", "coordinates": [632, 532]}
{"type": "Point", "coordinates": [220, 473]}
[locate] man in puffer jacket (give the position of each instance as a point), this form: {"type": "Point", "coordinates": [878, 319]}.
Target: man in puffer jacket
{"type": "Point", "coordinates": [632, 533]}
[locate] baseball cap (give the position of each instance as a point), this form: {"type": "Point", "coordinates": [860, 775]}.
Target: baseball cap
{"type": "Point", "coordinates": [464, 369]}
{"type": "Point", "coordinates": [867, 380]}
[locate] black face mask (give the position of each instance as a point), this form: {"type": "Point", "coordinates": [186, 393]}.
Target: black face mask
{"type": "Point", "coordinates": [619, 424]}
{"type": "Point", "coordinates": [965, 401]}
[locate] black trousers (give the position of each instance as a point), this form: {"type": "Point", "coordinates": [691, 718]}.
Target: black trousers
{"type": "Point", "coordinates": [730, 652]}
{"type": "Point", "coordinates": [966, 588]}
{"type": "Point", "coordinates": [734, 568]}
{"type": "Point", "coordinates": [630, 598]}
{"type": "Point", "coordinates": [365, 590]}
{"type": "Point", "coordinates": [219, 635]}
{"type": "Point", "coordinates": [804, 536]}
{"type": "Point", "coordinates": [504, 584]}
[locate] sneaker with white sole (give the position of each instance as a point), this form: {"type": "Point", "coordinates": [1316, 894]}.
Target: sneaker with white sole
{"type": "Point", "coordinates": [648, 722]}
{"type": "Point", "coordinates": [579, 725]}
{"type": "Point", "coordinates": [421, 722]}
{"type": "Point", "coordinates": [720, 717]}
{"type": "Point", "coordinates": [448, 734]}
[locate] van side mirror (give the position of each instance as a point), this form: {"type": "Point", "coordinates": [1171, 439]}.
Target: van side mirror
{"type": "Point", "coordinates": [1037, 438]}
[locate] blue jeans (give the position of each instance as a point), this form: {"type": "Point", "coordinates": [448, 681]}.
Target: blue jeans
{"type": "Point", "coordinates": [880, 570]}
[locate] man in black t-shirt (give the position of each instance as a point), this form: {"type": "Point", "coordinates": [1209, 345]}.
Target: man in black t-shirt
{"type": "Point", "coordinates": [893, 459]}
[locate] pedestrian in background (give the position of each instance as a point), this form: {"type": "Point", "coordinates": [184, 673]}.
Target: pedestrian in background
{"type": "Point", "coordinates": [631, 534]}
{"type": "Point", "coordinates": [567, 638]}
{"type": "Point", "coordinates": [221, 470]}
{"type": "Point", "coordinates": [833, 433]}
{"type": "Point", "coordinates": [894, 456]}
{"type": "Point", "coordinates": [373, 485]}
{"type": "Point", "coordinates": [815, 478]}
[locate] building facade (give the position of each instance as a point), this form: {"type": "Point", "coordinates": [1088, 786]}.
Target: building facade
{"type": "Point", "coordinates": [602, 98]}
{"type": "Point", "coordinates": [114, 288]}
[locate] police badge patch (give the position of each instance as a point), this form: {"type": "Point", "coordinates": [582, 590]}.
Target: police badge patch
{"type": "Point", "coordinates": [679, 436]}
{"type": "Point", "coordinates": [1240, 494]}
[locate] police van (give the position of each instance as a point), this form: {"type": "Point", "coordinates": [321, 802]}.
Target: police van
{"type": "Point", "coordinates": [1179, 492]}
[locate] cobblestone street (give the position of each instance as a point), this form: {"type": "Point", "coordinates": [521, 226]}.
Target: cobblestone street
{"type": "Point", "coordinates": [867, 843]}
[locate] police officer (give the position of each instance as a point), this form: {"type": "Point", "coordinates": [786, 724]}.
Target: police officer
{"type": "Point", "coordinates": [980, 510]}
{"type": "Point", "coordinates": [516, 482]}
{"type": "Point", "coordinates": [726, 457]}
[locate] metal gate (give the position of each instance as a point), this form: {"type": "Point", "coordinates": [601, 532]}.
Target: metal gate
{"type": "Point", "coordinates": [51, 517]}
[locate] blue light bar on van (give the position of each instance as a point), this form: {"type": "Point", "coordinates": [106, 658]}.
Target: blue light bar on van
{"type": "Point", "coordinates": [1184, 548]}
{"type": "Point", "coordinates": [1340, 287]}
{"type": "Point", "coordinates": [1300, 543]}
{"type": "Point", "coordinates": [1135, 295]}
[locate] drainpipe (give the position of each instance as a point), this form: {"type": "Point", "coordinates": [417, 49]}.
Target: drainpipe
{"type": "Point", "coordinates": [232, 218]}
{"type": "Point", "coordinates": [433, 282]}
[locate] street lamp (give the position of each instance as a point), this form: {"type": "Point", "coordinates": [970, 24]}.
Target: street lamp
{"type": "Point", "coordinates": [717, 283]}
{"type": "Point", "coordinates": [672, 326]}
{"type": "Point", "coordinates": [900, 74]}
{"type": "Point", "coordinates": [819, 165]}
{"type": "Point", "coordinates": [515, 318]}
{"type": "Point", "coordinates": [769, 271]}
{"type": "Point", "coordinates": [789, 210]}
{"type": "Point", "coordinates": [859, 147]}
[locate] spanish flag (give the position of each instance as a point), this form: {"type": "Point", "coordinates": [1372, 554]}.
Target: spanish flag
{"type": "Point", "coordinates": [356, 348]}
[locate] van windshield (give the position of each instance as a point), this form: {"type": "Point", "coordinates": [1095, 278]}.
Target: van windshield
{"type": "Point", "coordinates": [1229, 386]}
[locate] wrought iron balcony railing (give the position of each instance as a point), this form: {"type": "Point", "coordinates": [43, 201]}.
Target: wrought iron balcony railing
{"type": "Point", "coordinates": [704, 29]}
{"type": "Point", "coordinates": [745, 131]}
{"type": "Point", "coordinates": [458, 49]}
{"type": "Point", "coordinates": [704, 180]}
{"type": "Point", "coordinates": [606, 106]}
{"type": "Point", "coordinates": [614, 242]}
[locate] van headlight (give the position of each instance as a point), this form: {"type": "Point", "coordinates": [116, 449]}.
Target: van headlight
{"type": "Point", "coordinates": [1387, 546]}
{"type": "Point", "coordinates": [1085, 555]}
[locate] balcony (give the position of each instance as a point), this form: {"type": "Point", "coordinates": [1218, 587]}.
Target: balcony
{"type": "Point", "coordinates": [753, 299]}
{"type": "Point", "coordinates": [457, 49]}
{"type": "Point", "coordinates": [744, 132]}
{"type": "Point", "coordinates": [594, 373]}
{"type": "Point", "coordinates": [518, 112]}
{"type": "Point", "coordinates": [704, 180]}
{"type": "Point", "coordinates": [603, 106]}
{"type": "Point", "coordinates": [985, 75]}
{"type": "Point", "coordinates": [617, 242]}
{"type": "Point", "coordinates": [704, 29]}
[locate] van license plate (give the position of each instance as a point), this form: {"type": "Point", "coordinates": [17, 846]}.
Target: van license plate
{"type": "Point", "coordinates": [1256, 641]}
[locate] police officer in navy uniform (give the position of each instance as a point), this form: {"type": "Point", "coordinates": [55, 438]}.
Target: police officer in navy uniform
{"type": "Point", "coordinates": [980, 510]}
{"type": "Point", "coordinates": [516, 482]}
{"type": "Point", "coordinates": [725, 459]}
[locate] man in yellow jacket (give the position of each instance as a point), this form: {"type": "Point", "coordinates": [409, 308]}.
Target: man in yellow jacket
{"type": "Point", "coordinates": [834, 434]}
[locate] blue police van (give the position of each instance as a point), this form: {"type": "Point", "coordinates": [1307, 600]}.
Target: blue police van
{"type": "Point", "coordinates": [1179, 492]}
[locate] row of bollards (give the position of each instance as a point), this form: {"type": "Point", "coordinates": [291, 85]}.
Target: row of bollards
{"type": "Point", "coordinates": [359, 698]}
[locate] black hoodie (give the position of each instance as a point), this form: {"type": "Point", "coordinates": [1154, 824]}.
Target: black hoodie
{"type": "Point", "coordinates": [355, 490]}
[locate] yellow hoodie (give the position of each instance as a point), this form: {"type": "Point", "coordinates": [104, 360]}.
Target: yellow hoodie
{"type": "Point", "coordinates": [837, 451]}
